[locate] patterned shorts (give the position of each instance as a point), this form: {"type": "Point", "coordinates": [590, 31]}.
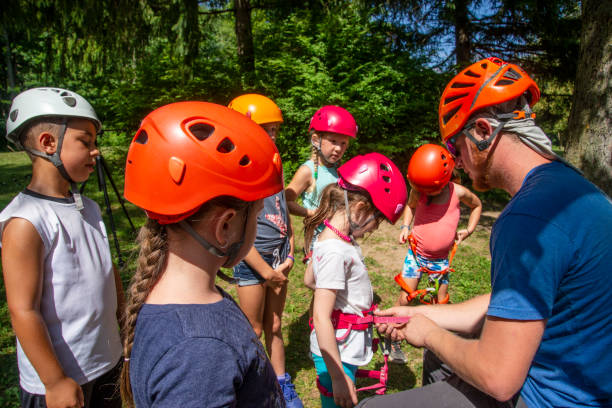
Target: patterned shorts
{"type": "Point", "coordinates": [410, 268]}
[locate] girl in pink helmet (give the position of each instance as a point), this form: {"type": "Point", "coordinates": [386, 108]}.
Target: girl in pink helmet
{"type": "Point", "coordinates": [330, 130]}
{"type": "Point", "coordinates": [370, 188]}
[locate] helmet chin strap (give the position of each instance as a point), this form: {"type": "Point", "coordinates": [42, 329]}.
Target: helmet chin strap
{"type": "Point", "coordinates": [352, 225]}
{"type": "Point", "coordinates": [57, 162]}
{"type": "Point", "coordinates": [326, 162]}
{"type": "Point", "coordinates": [231, 253]}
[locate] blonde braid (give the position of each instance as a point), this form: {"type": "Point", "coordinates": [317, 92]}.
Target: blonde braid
{"type": "Point", "coordinates": [153, 240]}
{"type": "Point", "coordinates": [314, 156]}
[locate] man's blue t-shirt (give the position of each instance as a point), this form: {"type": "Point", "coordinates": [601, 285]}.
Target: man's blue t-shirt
{"type": "Point", "coordinates": [551, 253]}
{"type": "Point", "coordinates": [195, 355]}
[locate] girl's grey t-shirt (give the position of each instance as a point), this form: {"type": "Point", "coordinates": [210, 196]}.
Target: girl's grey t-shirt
{"type": "Point", "coordinates": [194, 355]}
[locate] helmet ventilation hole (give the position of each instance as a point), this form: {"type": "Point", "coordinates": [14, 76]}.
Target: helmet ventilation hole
{"type": "Point", "coordinates": [450, 114]}
{"type": "Point", "coordinates": [462, 85]}
{"type": "Point", "coordinates": [385, 167]}
{"type": "Point", "coordinates": [70, 101]}
{"type": "Point", "coordinates": [225, 146]}
{"type": "Point", "coordinates": [142, 137]}
{"type": "Point", "coordinates": [14, 114]}
{"type": "Point", "coordinates": [484, 65]}
{"type": "Point", "coordinates": [202, 131]}
{"type": "Point", "coordinates": [386, 179]}
{"type": "Point", "coordinates": [471, 74]}
{"type": "Point", "coordinates": [503, 82]}
{"type": "Point", "coordinates": [512, 74]}
{"type": "Point", "coordinates": [454, 98]}
{"type": "Point", "coordinates": [387, 190]}
{"type": "Point", "coordinates": [65, 94]}
{"type": "Point", "coordinates": [245, 161]}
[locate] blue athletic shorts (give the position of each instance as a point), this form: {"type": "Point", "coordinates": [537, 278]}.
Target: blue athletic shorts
{"type": "Point", "coordinates": [248, 276]}
{"type": "Point", "coordinates": [410, 268]}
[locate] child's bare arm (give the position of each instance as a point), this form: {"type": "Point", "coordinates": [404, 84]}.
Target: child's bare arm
{"type": "Point", "coordinates": [471, 200]}
{"type": "Point", "coordinates": [344, 388]}
{"type": "Point", "coordinates": [22, 266]}
{"type": "Point", "coordinates": [309, 279]}
{"type": "Point", "coordinates": [413, 199]}
{"type": "Point", "coordinates": [300, 182]}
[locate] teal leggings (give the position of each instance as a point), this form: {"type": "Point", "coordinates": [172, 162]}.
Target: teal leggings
{"type": "Point", "coordinates": [325, 379]}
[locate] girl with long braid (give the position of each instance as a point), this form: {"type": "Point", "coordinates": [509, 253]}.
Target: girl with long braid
{"type": "Point", "coordinates": [200, 171]}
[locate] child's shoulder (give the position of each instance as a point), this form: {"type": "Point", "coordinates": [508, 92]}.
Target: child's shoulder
{"type": "Point", "coordinates": [308, 163]}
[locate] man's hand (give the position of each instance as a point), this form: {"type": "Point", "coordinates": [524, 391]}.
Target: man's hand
{"type": "Point", "coordinates": [64, 393]}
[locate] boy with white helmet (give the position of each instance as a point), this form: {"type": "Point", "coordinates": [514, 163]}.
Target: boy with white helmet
{"type": "Point", "coordinates": [62, 289]}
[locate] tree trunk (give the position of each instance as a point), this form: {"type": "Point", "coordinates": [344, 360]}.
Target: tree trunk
{"type": "Point", "coordinates": [244, 37]}
{"type": "Point", "coordinates": [463, 40]}
{"type": "Point", "coordinates": [588, 142]}
{"type": "Point", "coordinates": [8, 58]}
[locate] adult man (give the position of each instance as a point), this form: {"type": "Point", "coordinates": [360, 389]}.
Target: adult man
{"type": "Point", "coordinates": [544, 329]}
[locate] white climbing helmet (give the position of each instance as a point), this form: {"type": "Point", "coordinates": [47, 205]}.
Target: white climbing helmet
{"type": "Point", "coordinates": [46, 102]}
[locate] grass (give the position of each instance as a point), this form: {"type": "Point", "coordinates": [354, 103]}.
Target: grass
{"type": "Point", "coordinates": [383, 257]}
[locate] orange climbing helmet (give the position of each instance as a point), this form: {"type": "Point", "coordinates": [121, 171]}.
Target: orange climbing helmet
{"type": "Point", "coordinates": [186, 153]}
{"type": "Point", "coordinates": [430, 168]}
{"type": "Point", "coordinates": [259, 108]}
{"type": "Point", "coordinates": [486, 83]}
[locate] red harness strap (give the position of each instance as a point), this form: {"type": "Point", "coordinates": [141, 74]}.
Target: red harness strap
{"type": "Point", "coordinates": [421, 293]}
{"type": "Point", "coordinates": [355, 322]}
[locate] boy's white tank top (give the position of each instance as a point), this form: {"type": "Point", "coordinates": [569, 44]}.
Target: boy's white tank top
{"type": "Point", "coordinates": [79, 301]}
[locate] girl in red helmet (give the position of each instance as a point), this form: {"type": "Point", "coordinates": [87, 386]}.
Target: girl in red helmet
{"type": "Point", "coordinates": [433, 205]}
{"type": "Point", "coordinates": [370, 188]}
{"type": "Point", "coordinates": [200, 171]}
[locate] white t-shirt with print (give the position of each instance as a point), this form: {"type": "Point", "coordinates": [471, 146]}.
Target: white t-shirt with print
{"type": "Point", "coordinates": [338, 265]}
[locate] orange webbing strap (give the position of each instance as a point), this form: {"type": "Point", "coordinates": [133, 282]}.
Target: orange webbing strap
{"type": "Point", "coordinates": [452, 255]}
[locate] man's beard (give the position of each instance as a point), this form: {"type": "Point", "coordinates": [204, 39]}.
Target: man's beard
{"type": "Point", "coordinates": [482, 162]}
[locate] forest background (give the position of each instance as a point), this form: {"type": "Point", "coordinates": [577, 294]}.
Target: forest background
{"type": "Point", "coordinates": [386, 61]}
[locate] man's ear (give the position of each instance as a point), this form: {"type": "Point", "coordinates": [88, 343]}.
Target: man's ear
{"type": "Point", "coordinates": [221, 221]}
{"type": "Point", "coordinates": [47, 143]}
{"type": "Point", "coordinates": [483, 128]}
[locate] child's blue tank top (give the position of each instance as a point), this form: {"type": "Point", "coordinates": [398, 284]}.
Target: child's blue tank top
{"type": "Point", "coordinates": [325, 177]}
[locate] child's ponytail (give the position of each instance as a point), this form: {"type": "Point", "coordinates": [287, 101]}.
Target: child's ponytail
{"type": "Point", "coordinates": [153, 240]}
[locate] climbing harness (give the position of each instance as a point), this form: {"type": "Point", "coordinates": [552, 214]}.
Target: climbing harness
{"type": "Point", "coordinates": [428, 295]}
{"type": "Point", "coordinates": [352, 322]}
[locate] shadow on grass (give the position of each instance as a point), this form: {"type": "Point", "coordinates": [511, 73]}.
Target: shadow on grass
{"type": "Point", "coordinates": [297, 356]}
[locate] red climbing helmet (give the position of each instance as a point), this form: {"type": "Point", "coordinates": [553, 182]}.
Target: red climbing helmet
{"type": "Point", "coordinates": [187, 153]}
{"type": "Point", "coordinates": [381, 178]}
{"type": "Point", "coordinates": [334, 119]}
{"type": "Point", "coordinates": [430, 168]}
{"type": "Point", "coordinates": [488, 82]}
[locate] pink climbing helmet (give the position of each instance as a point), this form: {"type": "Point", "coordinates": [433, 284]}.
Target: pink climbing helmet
{"type": "Point", "coordinates": [333, 119]}
{"type": "Point", "coordinates": [380, 177]}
